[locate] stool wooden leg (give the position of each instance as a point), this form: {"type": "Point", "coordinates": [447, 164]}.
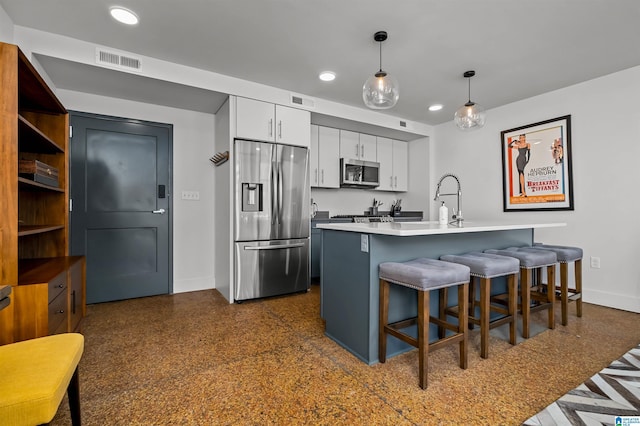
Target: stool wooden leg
{"type": "Point", "coordinates": [564, 292]}
{"type": "Point", "coordinates": [485, 286]}
{"type": "Point", "coordinates": [442, 307]}
{"type": "Point", "coordinates": [472, 300]}
{"type": "Point", "coordinates": [578, 277]}
{"type": "Point", "coordinates": [525, 296]}
{"type": "Point", "coordinates": [73, 393]}
{"type": "Point", "coordinates": [463, 318]}
{"type": "Point", "coordinates": [512, 306]}
{"type": "Point", "coordinates": [383, 320]}
{"type": "Point", "coordinates": [551, 294]}
{"type": "Point", "coordinates": [423, 336]}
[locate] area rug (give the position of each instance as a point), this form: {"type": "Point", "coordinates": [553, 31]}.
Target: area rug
{"type": "Point", "coordinates": [611, 397]}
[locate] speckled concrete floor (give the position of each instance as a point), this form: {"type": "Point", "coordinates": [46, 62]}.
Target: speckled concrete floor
{"type": "Point", "coordinates": [194, 359]}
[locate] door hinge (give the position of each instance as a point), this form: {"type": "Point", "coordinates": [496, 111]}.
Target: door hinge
{"type": "Point", "coordinates": [70, 131]}
{"type": "Point", "coordinates": [70, 205]}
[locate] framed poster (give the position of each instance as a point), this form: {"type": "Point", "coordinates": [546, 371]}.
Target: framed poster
{"type": "Point", "coordinates": [536, 166]}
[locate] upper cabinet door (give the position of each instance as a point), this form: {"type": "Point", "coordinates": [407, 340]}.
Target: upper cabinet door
{"type": "Point", "coordinates": [400, 166]}
{"type": "Point", "coordinates": [314, 171]}
{"type": "Point", "coordinates": [368, 151]}
{"type": "Point", "coordinates": [329, 157]}
{"type": "Point", "coordinates": [349, 144]}
{"type": "Point", "coordinates": [255, 120]}
{"type": "Point", "coordinates": [385, 158]}
{"type": "Point", "coordinates": [292, 126]}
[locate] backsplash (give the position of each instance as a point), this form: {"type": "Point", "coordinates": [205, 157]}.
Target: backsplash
{"type": "Point", "coordinates": [352, 201]}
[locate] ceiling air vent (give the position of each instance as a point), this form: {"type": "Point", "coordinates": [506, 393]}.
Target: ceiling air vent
{"type": "Point", "coordinates": [403, 124]}
{"type": "Point", "coordinates": [115, 60]}
{"type": "Point", "coordinates": [302, 101]}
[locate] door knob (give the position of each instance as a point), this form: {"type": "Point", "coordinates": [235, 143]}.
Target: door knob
{"type": "Point", "coordinates": [161, 211]}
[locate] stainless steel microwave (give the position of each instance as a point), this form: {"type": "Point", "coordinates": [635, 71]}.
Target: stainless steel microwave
{"type": "Point", "coordinates": [359, 174]}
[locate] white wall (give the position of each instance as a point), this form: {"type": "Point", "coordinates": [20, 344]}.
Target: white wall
{"type": "Point", "coordinates": [605, 126]}
{"type": "Point", "coordinates": [6, 27]}
{"type": "Point", "coordinates": [193, 230]}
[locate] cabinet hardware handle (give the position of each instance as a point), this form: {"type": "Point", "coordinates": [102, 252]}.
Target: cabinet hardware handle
{"type": "Point", "coordinates": [270, 127]}
{"type": "Point", "coordinates": [316, 175]}
{"type": "Point", "coordinates": [362, 149]}
{"type": "Point", "coordinates": [61, 311]}
{"type": "Point", "coordinates": [357, 151]}
{"type": "Point", "coordinates": [60, 285]}
{"type": "Point", "coordinates": [161, 211]}
{"type": "Point", "coordinates": [396, 180]}
{"type": "Point", "coordinates": [322, 176]}
{"type": "Point", "coordinates": [391, 181]}
{"type": "Point", "coordinates": [279, 129]}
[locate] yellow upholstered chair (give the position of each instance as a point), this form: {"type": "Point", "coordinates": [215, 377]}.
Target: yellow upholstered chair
{"type": "Point", "coordinates": [34, 375]}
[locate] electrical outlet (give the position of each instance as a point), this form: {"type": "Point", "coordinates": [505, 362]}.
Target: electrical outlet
{"type": "Point", "coordinates": [364, 243]}
{"type": "Point", "coordinates": [191, 195]}
{"type": "Point", "coordinates": [595, 262]}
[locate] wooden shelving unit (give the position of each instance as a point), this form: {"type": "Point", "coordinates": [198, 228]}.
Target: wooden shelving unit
{"type": "Point", "coordinates": [48, 285]}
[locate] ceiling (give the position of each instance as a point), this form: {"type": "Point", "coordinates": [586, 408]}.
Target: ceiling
{"type": "Point", "coordinates": [518, 49]}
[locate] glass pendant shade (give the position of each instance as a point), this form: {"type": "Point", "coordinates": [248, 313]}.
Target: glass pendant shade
{"type": "Point", "coordinates": [470, 116]}
{"type": "Point", "coordinates": [380, 91]}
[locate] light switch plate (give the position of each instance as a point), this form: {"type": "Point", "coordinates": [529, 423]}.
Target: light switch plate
{"type": "Point", "coordinates": [191, 195]}
{"type": "Point", "coordinates": [364, 243]}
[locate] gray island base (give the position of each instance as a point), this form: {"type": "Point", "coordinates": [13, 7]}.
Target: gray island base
{"type": "Point", "coordinates": [349, 275]}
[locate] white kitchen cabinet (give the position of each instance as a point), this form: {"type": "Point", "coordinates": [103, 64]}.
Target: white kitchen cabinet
{"type": "Point", "coordinates": [268, 122]}
{"type": "Point", "coordinates": [358, 146]}
{"type": "Point", "coordinates": [324, 157]}
{"type": "Point", "coordinates": [394, 160]}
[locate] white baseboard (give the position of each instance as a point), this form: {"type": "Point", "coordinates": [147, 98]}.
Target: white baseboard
{"type": "Point", "coordinates": [193, 284]}
{"type": "Point", "coordinates": [618, 301]}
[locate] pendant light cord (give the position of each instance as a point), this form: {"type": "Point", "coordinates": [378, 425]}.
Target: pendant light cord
{"type": "Point", "coordinates": [469, 78]}
{"type": "Point", "coordinates": [380, 43]}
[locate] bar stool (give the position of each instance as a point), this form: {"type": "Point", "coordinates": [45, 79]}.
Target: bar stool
{"type": "Point", "coordinates": [484, 267]}
{"type": "Point", "coordinates": [566, 255]}
{"type": "Point", "coordinates": [530, 259]}
{"type": "Point", "coordinates": [424, 275]}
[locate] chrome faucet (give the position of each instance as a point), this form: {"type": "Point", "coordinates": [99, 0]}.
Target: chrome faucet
{"type": "Point", "coordinates": [457, 214]}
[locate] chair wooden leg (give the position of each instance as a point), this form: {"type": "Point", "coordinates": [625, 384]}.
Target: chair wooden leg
{"type": "Point", "coordinates": [525, 296]}
{"type": "Point", "coordinates": [551, 294]}
{"type": "Point", "coordinates": [423, 337]}
{"type": "Point", "coordinates": [485, 286]}
{"type": "Point", "coordinates": [564, 292]}
{"type": "Point", "coordinates": [463, 326]}
{"type": "Point", "coordinates": [384, 316]}
{"type": "Point", "coordinates": [73, 393]}
{"type": "Point", "coordinates": [472, 300]}
{"type": "Point", "coordinates": [512, 306]}
{"type": "Point", "coordinates": [578, 277]}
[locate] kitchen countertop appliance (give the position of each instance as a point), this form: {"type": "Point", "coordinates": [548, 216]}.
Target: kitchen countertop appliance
{"type": "Point", "coordinates": [272, 219]}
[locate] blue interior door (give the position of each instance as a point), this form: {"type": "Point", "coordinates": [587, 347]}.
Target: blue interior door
{"type": "Point", "coordinates": [121, 211]}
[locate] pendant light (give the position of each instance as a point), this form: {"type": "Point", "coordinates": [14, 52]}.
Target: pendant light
{"type": "Point", "coordinates": [381, 90]}
{"type": "Point", "coordinates": [470, 116]}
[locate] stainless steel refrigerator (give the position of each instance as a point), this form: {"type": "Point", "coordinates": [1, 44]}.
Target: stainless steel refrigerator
{"type": "Point", "coordinates": [272, 220]}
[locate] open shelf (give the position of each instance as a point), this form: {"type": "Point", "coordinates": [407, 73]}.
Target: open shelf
{"type": "Point", "coordinates": [34, 94]}
{"type": "Point", "coordinates": [24, 230]}
{"type": "Point", "coordinates": [29, 185]}
{"type": "Point", "coordinates": [33, 140]}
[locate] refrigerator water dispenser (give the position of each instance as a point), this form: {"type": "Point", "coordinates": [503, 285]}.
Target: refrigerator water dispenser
{"type": "Point", "coordinates": [251, 197]}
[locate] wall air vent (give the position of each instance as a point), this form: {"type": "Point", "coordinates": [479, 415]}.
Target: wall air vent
{"type": "Point", "coordinates": [116, 60]}
{"type": "Point", "coordinates": [302, 101]}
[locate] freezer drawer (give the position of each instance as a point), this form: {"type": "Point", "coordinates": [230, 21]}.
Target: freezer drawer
{"type": "Point", "coordinates": [271, 268]}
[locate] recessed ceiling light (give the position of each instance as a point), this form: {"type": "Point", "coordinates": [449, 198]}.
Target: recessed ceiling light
{"type": "Point", "coordinates": [327, 76]}
{"type": "Point", "coordinates": [123, 15]}
{"type": "Point", "coordinates": [435, 107]}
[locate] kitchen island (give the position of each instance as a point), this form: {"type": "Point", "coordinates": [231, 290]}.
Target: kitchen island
{"type": "Point", "coordinates": [351, 253]}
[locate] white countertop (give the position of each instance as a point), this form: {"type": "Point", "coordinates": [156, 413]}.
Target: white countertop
{"type": "Point", "coordinates": [407, 229]}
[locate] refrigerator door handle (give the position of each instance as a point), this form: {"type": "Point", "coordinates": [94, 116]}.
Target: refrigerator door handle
{"type": "Point", "coordinates": [278, 247]}
{"type": "Point", "coordinates": [280, 191]}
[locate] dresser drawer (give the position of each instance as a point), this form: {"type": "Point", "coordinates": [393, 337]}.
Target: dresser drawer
{"type": "Point", "coordinates": [58, 313]}
{"type": "Point", "coordinates": [57, 285]}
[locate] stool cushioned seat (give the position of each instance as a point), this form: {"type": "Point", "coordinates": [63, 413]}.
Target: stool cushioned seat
{"type": "Point", "coordinates": [34, 375]}
{"type": "Point", "coordinates": [424, 274]}
{"type": "Point", "coordinates": [485, 265]}
{"type": "Point", "coordinates": [563, 253]}
{"type": "Point", "coordinates": [529, 257]}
